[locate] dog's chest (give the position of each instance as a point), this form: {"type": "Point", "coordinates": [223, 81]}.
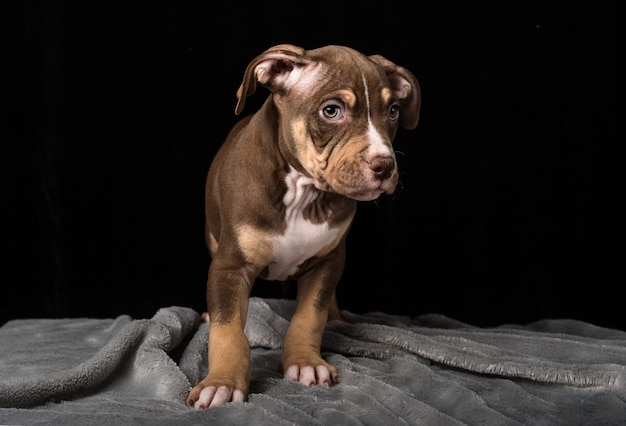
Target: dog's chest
{"type": "Point", "coordinates": [302, 239]}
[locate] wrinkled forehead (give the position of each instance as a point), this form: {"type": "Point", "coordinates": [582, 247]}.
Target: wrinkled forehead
{"type": "Point", "coordinates": [342, 69]}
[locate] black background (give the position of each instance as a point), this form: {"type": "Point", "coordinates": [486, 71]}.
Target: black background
{"type": "Point", "coordinates": [510, 207]}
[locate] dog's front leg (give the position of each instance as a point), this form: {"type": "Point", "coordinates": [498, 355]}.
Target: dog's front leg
{"type": "Point", "coordinates": [228, 348]}
{"type": "Point", "coordinates": [301, 359]}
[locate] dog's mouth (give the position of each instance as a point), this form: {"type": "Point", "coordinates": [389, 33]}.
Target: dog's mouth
{"type": "Point", "coordinates": [367, 189]}
{"type": "Point", "coordinates": [366, 195]}
{"type": "Point", "coordinates": [360, 193]}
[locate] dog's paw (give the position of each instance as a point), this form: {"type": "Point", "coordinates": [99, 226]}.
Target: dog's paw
{"type": "Point", "coordinates": [322, 375]}
{"type": "Point", "coordinates": [212, 396]}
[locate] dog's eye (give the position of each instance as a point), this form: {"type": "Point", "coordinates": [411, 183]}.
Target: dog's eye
{"type": "Point", "coordinates": [332, 111]}
{"type": "Point", "coordinates": [394, 111]}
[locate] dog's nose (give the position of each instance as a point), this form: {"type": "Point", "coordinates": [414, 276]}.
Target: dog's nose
{"type": "Point", "coordinates": [382, 166]}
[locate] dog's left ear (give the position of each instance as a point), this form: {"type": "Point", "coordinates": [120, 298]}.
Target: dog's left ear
{"type": "Point", "coordinates": [406, 87]}
{"type": "Point", "coordinates": [271, 69]}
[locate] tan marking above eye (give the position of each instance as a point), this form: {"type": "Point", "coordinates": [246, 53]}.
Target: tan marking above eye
{"type": "Point", "coordinates": [348, 97]}
{"type": "Point", "coordinates": [386, 94]}
{"type": "Point", "coordinates": [256, 245]}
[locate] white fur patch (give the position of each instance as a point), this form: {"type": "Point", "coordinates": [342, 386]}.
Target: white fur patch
{"type": "Point", "coordinates": [307, 78]}
{"type": "Point", "coordinates": [302, 239]}
{"type": "Point", "coordinates": [377, 142]}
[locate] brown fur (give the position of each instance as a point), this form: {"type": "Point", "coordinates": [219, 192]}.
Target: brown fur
{"type": "Point", "coordinates": [286, 184]}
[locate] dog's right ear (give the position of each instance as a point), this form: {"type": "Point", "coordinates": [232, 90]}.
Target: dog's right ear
{"type": "Point", "coordinates": [271, 69]}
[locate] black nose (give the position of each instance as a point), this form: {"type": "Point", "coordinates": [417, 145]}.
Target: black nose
{"type": "Point", "coordinates": [382, 166]}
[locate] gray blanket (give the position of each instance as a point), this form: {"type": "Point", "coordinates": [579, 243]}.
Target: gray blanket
{"type": "Point", "coordinates": [395, 370]}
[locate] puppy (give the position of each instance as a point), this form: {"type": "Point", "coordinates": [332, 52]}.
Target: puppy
{"type": "Point", "coordinates": [281, 194]}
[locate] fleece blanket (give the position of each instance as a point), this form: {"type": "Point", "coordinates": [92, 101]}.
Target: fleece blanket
{"type": "Point", "coordinates": [394, 370]}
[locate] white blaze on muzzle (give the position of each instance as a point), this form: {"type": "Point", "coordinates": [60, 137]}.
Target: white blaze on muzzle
{"type": "Point", "coordinates": [377, 141]}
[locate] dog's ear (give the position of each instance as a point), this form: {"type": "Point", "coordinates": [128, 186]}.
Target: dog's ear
{"type": "Point", "coordinates": [406, 87]}
{"type": "Point", "coordinates": [271, 69]}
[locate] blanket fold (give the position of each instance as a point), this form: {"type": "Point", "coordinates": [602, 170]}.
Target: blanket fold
{"type": "Point", "coordinates": [77, 356]}
{"type": "Point", "coordinates": [427, 370]}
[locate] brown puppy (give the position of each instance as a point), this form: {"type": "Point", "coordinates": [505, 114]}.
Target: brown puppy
{"type": "Point", "coordinates": [281, 194]}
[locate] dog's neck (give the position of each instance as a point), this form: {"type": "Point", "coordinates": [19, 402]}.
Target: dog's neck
{"type": "Point", "coordinates": [302, 237]}
{"type": "Point", "coordinates": [300, 193]}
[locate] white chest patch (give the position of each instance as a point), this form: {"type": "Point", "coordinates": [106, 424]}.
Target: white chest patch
{"type": "Point", "coordinates": [302, 239]}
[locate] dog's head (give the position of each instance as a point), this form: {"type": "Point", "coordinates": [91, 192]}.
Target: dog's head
{"type": "Point", "coordinates": [339, 113]}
